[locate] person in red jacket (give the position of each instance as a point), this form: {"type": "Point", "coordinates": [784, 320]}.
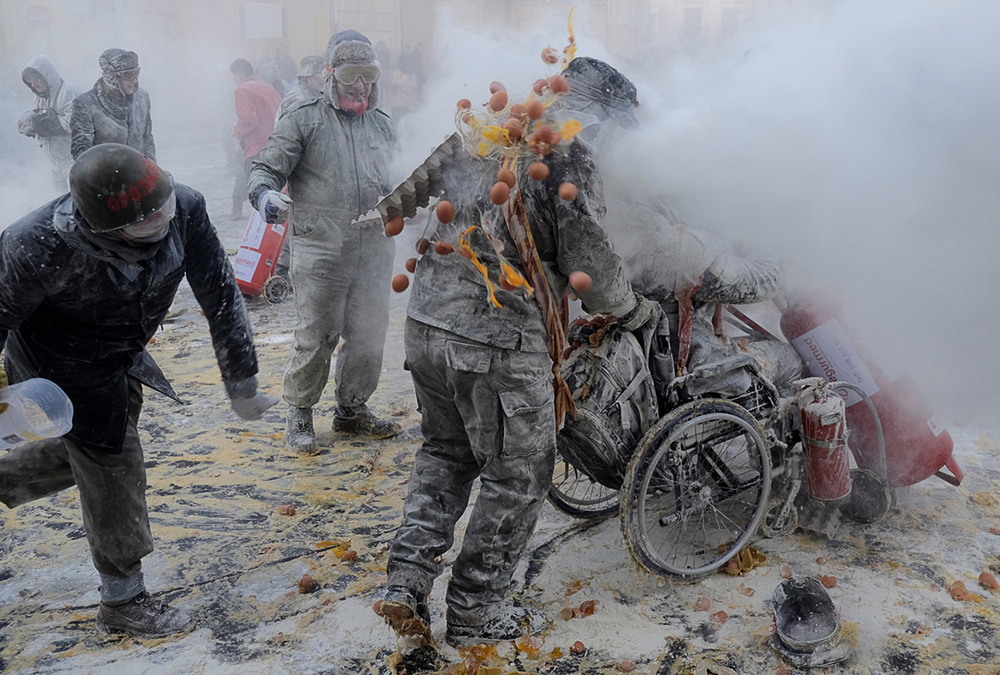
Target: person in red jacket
{"type": "Point", "coordinates": [257, 105]}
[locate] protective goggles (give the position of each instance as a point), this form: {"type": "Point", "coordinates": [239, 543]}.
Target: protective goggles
{"type": "Point", "coordinates": [153, 227]}
{"type": "Point", "coordinates": [130, 75]}
{"type": "Point", "coordinates": [349, 73]}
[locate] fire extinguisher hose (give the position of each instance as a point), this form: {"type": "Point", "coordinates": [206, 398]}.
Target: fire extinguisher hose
{"type": "Point", "coordinates": [875, 418]}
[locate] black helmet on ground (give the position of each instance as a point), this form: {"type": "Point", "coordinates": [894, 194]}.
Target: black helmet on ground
{"type": "Point", "coordinates": [114, 186]}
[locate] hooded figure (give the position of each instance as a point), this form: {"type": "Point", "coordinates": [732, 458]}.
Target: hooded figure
{"type": "Point", "coordinates": [116, 109]}
{"type": "Point", "coordinates": [49, 122]}
{"type": "Point", "coordinates": [333, 152]}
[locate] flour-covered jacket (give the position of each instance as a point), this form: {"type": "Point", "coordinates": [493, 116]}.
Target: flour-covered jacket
{"type": "Point", "coordinates": [100, 116]}
{"type": "Point", "coordinates": [336, 164]}
{"type": "Point", "coordinates": [59, 100]}
{"type": "Point", "coordinates": [449, 293]}
{"type": "Point", "coordinates": [667, 260]}
{"type": "Point", "coordinates": [79, 310]}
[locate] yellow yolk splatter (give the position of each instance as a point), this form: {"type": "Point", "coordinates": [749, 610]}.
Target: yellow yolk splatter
{"type": "Point", "coordinates": [465, 248]}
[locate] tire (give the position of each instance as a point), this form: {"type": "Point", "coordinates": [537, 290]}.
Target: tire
{"type": "Point", "coordinates": [696, 488]}
{"type": "Point", "coordinates": [574, 493]}
{"type": "Point", "coordinates": [276, 290]}
{"type": "Point", "coordinates": [870, 497]}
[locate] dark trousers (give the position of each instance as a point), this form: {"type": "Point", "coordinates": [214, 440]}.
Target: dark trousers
{"type": "Point", "coordinates": [112, 490]}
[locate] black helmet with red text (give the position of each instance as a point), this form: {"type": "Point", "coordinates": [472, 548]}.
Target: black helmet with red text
{"type": "Point", "coordinates": [114, 186]}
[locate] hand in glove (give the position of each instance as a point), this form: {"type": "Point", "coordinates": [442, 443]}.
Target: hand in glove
{"type": "Point", "coordinates": [274, 206]}
{"type": "Point", "coordinates": [248, 403]}
{"type": "Point", "coordinates": [640, 315]}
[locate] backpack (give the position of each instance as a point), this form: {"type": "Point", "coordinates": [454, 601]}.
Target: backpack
{"type": "Point", "coordinates": [616, 403]}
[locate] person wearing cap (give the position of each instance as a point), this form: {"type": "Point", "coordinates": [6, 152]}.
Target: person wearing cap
{"type": "Point", "coordinates": [689, 272]}
{"type": "Point", "coordinates": [49, 121]}
{"type": "Point", "coordinates": [308, 86]}
{"type": "Point", "coordinates": [485, 378]}
{"type": "Point", "coordinates": [256, 108]}
{"type": "Point", "coordinates": [116, 109]}
{"type": "Point", "coordinates": [333, 152]}
{"type": "Point", "coordinates": [85, 282]}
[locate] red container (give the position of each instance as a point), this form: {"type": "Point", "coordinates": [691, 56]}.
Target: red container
{"type": "Point", "coordinates": [916, 445]}
{"type": "Point", "coordinates": [824, 441]}
{"type": "Point", "coordinates": [256, 260]}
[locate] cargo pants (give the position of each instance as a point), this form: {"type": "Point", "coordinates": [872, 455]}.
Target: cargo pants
{"type": "Point", "coordinates": [488, 413]}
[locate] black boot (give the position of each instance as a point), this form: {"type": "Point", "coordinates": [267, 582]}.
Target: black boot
{"type": "Point", "coordinates": [360, 421]}
{"type": "Point", "coordinates": [143, 617]}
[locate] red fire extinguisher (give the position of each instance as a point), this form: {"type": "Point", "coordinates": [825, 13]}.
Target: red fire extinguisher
{"type": "Point", "coordinates": [916, 445]}
{"type": "Point", "coordinates": [256, 261]}
{"type": "Point", "coordinates": [824, 440]}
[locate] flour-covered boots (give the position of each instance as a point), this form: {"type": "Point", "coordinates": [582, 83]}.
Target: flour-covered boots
{"type": "Point", "coordinates": [300, 437]}
{"type": "Point", "coordinates": [361, 421]}
{"type": "Point", "coordinates": [143, 617]}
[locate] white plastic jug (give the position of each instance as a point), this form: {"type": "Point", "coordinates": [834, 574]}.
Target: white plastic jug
{"type": "Point", "coordinates": [33, 410]}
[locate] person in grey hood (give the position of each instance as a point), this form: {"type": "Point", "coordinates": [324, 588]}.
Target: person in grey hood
{"type": "Point", "coordinates": [484, 362]}
{"type": "Point", "coordinates": [49, 121]}
{"type": "Point", "coordinates": [333, 152]}
{"type": "Point", "coordinates": [116, 109]}
{"type": "Point", "coordinates": [85, 281]}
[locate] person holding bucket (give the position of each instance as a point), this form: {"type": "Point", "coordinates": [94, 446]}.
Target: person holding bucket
{"type": "Point", "coordinates": [85, 282]}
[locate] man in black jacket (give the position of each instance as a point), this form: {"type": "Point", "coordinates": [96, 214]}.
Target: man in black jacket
{"type": "Point", "coordinates": [84, 282]}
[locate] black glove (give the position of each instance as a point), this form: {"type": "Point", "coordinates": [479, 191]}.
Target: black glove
{"type": "Point", "coordinates": [580, 333]}
{"type": "Point", "coordinates": [47, 124]}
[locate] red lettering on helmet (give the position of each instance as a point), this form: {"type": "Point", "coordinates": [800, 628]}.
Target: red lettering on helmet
{"type": "Point", "coordinates": [142, 187]}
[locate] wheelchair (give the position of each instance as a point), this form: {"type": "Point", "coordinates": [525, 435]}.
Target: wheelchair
{"type": "Point", "coordinates": [704, 478]}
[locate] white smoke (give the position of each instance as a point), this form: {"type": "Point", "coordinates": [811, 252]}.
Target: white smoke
{"type": "Point", "coordinates": [858, 140]}
{"type": "Point", "coordinates": [855, 139]}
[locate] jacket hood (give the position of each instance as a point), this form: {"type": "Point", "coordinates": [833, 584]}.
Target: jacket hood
{"type": "Point", "coordinates": [44, 69]}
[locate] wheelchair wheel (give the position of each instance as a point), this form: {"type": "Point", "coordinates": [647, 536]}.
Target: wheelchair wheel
{"type": "Point", "coordinates": [574, 493]}
{"type": "Point", "coordinates": [696, 488]}
{"type": "Point", "coordinates": [276, 289]}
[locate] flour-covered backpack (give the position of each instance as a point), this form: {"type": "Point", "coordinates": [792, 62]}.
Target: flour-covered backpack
{"type": "Point", "coordinates": [615, 397]}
